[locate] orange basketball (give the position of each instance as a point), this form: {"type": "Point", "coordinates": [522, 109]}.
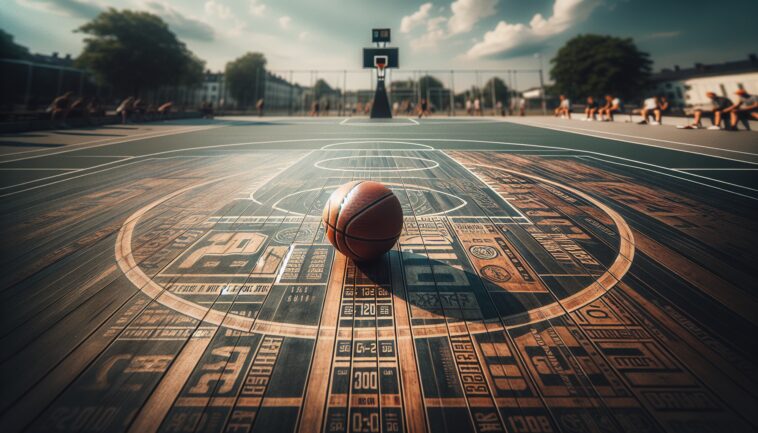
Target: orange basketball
{"type": "Point", "coordinates": [363, 219]}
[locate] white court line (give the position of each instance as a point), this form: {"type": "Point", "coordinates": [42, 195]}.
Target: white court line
{"type": "Point", "coordinates": [63, 174]}
{"type": "Point", "coordinates": [100, 156]}
{"type": "Point", "coordinates": [534, 125]}
{"type": "Point", "coordinates": [645, 138]}
{"type": "Point", "coordinates": [414, 121]}
{"type": "Point", "coordinates": [671, 175]}
{"type": "Point", "coordinates": [344, 121]}
{"type": "Point", "coordinates": [39, 169]}
{"type": "Point", "coordinates": [76, 147]}
{"type": "Point", "coordinates": [716, 169]}
{"type": "Point", "coordinates": [458, 140]}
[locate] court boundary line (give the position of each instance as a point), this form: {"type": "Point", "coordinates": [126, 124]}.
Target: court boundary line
{"type": "Point", "coordinates": [447, 140]}
{"type": "Point", "coordinates": [637, 142]}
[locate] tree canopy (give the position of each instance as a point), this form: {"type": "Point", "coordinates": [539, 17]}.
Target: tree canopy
{"type": "Point", "coordinates": [427, 82]}
{"type": "Point", "coordinates": [322, 88]}
{"type": "Point", "coordinates": [10, 49]}
{"type": "Point", "coordinates": [136, 51]}
{"type": "Point", "coordinates": [594, 65]}
{"type": "Point", "coordinates": [245, 77]}
{"type": "Point", "coordinates": [501, 91]}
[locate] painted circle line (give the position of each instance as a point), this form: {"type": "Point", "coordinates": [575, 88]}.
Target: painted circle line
{"type": "Point", "coordinates": [403, 186]}
{"type": "Point", "coordinates": [379, 170]}
{"type": "Point", "coordinates": [422, 146]}
{"type": "Point", "coordinates": [604, 283]}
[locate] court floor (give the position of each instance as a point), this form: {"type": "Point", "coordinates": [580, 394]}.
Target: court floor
{"type": "Point", "coordinates": [551, 276]}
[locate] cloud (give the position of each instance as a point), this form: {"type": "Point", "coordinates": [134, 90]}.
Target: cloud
{"type": "Point", "coordinates": [507, 38]}
{"type": "Point", "coordinates": [72, 8]}
{"type": "Point", "coordinates": [303, 36]}
{"type": "Point", "coordinates": [285, 22]}
{"type": "Point", "coordinates": [257, 8]}
{"type": "Point", "coordinates": [182, 25]}
{"type": "Point", "coordinates": [214, 7]}
{"type": "Point", "coordinates": [466, 13]}
{"type": "Point", "coordinates": [410, 21]}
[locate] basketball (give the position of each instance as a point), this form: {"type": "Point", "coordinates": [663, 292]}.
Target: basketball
{"type": "Point", "coordinates": [363, 219]}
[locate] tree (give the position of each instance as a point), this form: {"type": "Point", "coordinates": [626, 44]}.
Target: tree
{"type": "Point", "coordinates": [245, 77]}
{"type": "Point", "coordinates": [501, 92]}
{"type": "Point", "coordinates": [426, 84]}
{"type": "Point", "coordinates": [10, 49]}
{"type": "Point", "coordinates": [321, 88]}
{"type": "Point", "coordinates": [594, 65]}
{"type": "Point", "coordinates": [135, 52]}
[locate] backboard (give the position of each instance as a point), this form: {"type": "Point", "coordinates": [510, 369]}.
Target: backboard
{"type": "Point", "coordinates": [372, 57]}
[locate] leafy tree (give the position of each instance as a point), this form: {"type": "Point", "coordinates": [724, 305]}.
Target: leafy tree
{"type": "Point", "coordinates": [135, 51]}
{"type": "Point", "coordinates": [597, 65]}
{"type": "Point", "coordinates": [10, 49]}
{"type": "Point", "coordinates": [427, 82]}
{"type": "Point", "coordinates": [246, 78]}
{"type": "Point", "coordinates": [322, 88]}
{"type": "Point", "coordinates": [501, 91]}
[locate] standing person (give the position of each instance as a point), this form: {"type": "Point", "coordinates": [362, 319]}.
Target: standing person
{"type": "Point", "coordinates": [591, 110]}
{"type": "Point", "coordinates": [522, 106]}
{"type": "Point", "coordinates": [477, 107]}
{"type": "Point", "coordinates": [259, 106]}
{"type": "Point", "coordinates": [745, 109]}
{"type": "Point", "coordinates": [468, 106]}
{"type": "Point", "coordinates": [564, 108]}
{"type": "Point", "coordinates": [500, 108]}
{"type": "Point", "coordinates": [423, 108]}
{"type": "Point", "coordinates": [395, 108]}
{"type": "Point", "coordinates": [60, 107]}
{"type": "Point", "coordinates": [719, 104]}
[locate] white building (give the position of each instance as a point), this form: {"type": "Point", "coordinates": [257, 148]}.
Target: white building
{"type": "Point", "coordinates": [687, 87]}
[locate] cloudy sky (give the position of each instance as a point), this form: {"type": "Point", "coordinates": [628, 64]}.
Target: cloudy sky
{"type": "Point", "coordinates": [436, 34]}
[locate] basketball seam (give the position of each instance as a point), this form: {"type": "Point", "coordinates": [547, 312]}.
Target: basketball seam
{"type": "Point", "coordinates": [337, 215]}
{"type": "Point", "coordinates": [366, 208]}
{"type": "Point", "coordinates": [336, 230]}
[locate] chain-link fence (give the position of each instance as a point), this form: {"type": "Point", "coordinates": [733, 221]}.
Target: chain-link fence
{"type": "Point", "coordinates": [28, 86]}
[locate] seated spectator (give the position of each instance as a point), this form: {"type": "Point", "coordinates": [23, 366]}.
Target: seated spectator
{"type": "Point", "coordinates": [125, 108]}
{"type": "Point", "coordinates": [564, 108]}
{"type": "Point", "coordinates": [719, 104]}
{"type": "Point", "coordinates": [663, 106]}
{"type": "Point", "coordinates": [165, 108]}
{"type": "Point", "coordinates": [744, 110]}
{"type": "Point", "coordinates": [78, 108]}
{"type": "Point", "coordinates": [612, 106]}
{"type": "Point", "coordinates": [649, 106]}
{"type": "Point", "coordinates": [591, 110]}
{"type": "Point", "coordinates": [60, 107]}
{"type": "Point", "coordinates": [95, 108]}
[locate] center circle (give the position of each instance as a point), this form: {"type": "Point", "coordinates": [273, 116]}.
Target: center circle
{"type": "Point", "coordinates": [373, 164]}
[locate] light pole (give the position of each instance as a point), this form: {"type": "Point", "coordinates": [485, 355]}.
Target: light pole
{"type": "Point", "coordinates": [542, 83]}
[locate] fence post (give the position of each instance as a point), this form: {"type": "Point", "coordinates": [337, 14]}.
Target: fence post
{"type": "Point", "coordinates": [28, 93]}
{"type": "Point", "coordinates": [452, 92]}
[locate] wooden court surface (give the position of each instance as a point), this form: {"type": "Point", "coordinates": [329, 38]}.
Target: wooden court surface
{"type": "Point", "coordinates": [545, 281]}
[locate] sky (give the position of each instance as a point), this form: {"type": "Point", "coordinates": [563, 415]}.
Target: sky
{"type": "Point", "coordinates": [437, 34]}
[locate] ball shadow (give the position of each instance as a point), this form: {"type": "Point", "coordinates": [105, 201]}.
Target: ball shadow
{"type": "Point", "coordinates": [434, 289]}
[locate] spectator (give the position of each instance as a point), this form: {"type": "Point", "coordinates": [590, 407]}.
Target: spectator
{"type": "Point", "coordinates": [395, 108]}
{"type": "Point", "coordinates": [500, 108]}
{"type": "Point", "coordinates": [612, 106]}
{"type": "Point", "coordinates": [744, 110]}
{"type": "Point", "coordinates": [423, 108]}
{"type": "Point", "coordinates": [165, 108]}
{"type": "Point", "coordinates": [564, 108]}
{"type": "Point", "coordinates": [719, 105]}
{"type": "Point", "coordinates": [649, 106]}
{"type": "Point", "coordinates": [521, 106]}
{"type": "Point", "coordinates": [125, 108]}
{"type": "Point", "coordinates": [260, 106]}
{"type": "Point", "coordinates": [663, 106]}
{"type": "Point", "coordinates": [315, 109]}
{"type": "Point", "coordinates": [60, 107]}
{"type": "Point", "coordinates": [468, 106]}
{"type": "Point", "coordinates": [591, 110]}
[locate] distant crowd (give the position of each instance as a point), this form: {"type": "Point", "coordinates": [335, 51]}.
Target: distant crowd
{"type": "Point", "coordinates": [68, 106]}
{"type": "Point", "coordinates": [722, 111]}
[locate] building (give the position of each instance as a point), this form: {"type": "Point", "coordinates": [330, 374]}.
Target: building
{"type": "Point", "coordinates": [278, 93]}
{"type": "Point", "coordinates": [686, 87]}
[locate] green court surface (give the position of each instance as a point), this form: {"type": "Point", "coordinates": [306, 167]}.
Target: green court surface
{"type": "Point", "coordinates": [551, 276]}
